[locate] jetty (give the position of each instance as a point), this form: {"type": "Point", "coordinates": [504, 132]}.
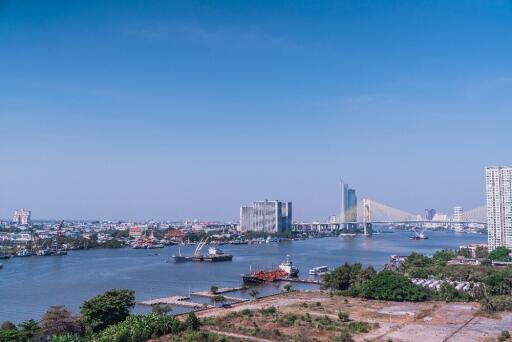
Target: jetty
{"type": "Point", "coordinates": [208, 294]}
{"type": "Point", "coordinates": [219, 291]}
{"type": "Point", "coordinates": [177, 301]}
{"type": "Point", "coordinates": [303, 281]}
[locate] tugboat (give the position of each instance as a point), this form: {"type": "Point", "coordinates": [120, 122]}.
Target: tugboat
{"type": "Point", "coordinates": [216, 254]}
{"type": "Point", "coordinates": [287, 266]}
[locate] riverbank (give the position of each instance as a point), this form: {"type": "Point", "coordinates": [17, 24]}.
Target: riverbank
{"type": "Point", "coordinates": [82, 274]}
{"type": "Point", "coordinates": [398, 321]}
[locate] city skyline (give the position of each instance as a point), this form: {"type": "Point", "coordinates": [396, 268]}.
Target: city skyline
{"type": "Point", "coordinates": [188, 109]}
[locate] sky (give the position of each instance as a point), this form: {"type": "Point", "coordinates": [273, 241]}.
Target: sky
{"type": "Point", "coordinates": [189, 109]}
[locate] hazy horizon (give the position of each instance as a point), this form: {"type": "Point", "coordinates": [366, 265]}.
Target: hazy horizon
{"type": "Point", "coordinates": [189, 109]}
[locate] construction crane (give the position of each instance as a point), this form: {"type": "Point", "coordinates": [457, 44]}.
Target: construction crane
{"type": "Point", "coordinates": [199, 247]}
{"type": "Point", "coordinates": [58, 237]}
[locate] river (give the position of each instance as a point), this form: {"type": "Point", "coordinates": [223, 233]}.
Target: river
{"type": "Point", "coordinates": [28, 286]}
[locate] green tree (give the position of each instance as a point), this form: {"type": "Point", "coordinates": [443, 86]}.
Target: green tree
{"type": "Point", "coordinates": [214, 289]}
{"type": "Point", "coordinates": [7, 325]}
{"type": "Point", "coordinates": [219, 299]}
{"type": "Point", "coordinates": [288, 287]}
{"type": "Point", "coordinates": [106, 309]}
{"type": "Point", "coordinates": [387, 285]}
{"type": "Point", "coordinates": [59, 321]}
{"type": "Point", "coordinates": [192, 322]}
{"type": "Point", "coordinates": [481, 252]}
{"type": "Point", "coordinates": [30, 328]}
{"type": "Point", "coordinates": [500, 254]}
{"type": "Point", "coordinates": [161, 310]}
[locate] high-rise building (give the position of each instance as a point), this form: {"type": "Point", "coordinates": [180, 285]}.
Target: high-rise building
{"type": "Point", "coordinates": [348, 204]}
{"type": "Point", "coordinates": [266, 216]}
{"type": "Point", "coordinates": [21, 216]}
{"type": "Point", "coordinates": [498, 183]}
{"type": "Point", "coordinates": [429, 214]}
{"type": "Point", "coordinates": [458, 216]}
{"type": "Point", "coordinates": [246, 218]}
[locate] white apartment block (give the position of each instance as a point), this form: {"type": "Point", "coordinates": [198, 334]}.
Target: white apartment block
{"type": "Point", "coordinates": [21, 216]}
{"type": "Point", "coordinates": [498, 182]}
{"type": "Point", "coordinates": [266, 216]}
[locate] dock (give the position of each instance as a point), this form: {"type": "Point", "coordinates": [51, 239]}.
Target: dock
{"type": "Point", "coordinates": [208, 294]}
{"type": "Point", "coordinates": [177, 301]}
{"type": "Point", "coordinates": [303, 281]}
{"type": "Point", "coordinates": [219, 291]}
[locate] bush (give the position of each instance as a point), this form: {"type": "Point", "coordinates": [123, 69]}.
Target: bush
{"type": "Point", "coordinates": [346, 276]}
{"type": "Point", "coordinates": [500, 254]}
{"type": "Point", "coordinates": [192, 322]}
{"type": "Point", "coordinates": [343, 316]}
{"type": "Point", "coordinates": [59, 321]}
{"type": "Point", "coordinates": [496, 303]}
{"type": "Point", "coordinates": [106, 309]}
{"type": "Point", "coordinates": [69, 338]}
{"type": "Point", "coordinates": [140, 328]}
{"type": "Point", "coordinates": [344, 336]}
{"type": "Point", "coordinates": [388, 285]}
{"type": "Point", "coordinates": [7, 325]}
{"type": "Point", "coordinates": [358, 327]}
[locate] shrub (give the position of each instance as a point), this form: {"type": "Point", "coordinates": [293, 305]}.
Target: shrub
{"type": "Point", "coordinates": [192, 322]}
{"type": "Point", "coordinates": [500, 254]}
{"type": "Point", "coordinates": [388, 285]}
{"type": "Point", "coordinates": [344, 336]}
{"type": "Point", "coordinates": [59, 321]}
{"type": "Point", "coordinates": [358, 327]}
{"type": "Point", "coordinates": [496, 303]}
{"type": "Point", "coordinates": [343, 316]}
{"type": "Point", "coordinates": [106, 309]}
{"type": "Point", "coordinates": [7, 325]}
{"type": "Point", "coordinates": [139, 328]}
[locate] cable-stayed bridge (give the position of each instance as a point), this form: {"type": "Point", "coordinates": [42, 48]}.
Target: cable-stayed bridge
{"type": "Point", "coordinates": [370, 211]}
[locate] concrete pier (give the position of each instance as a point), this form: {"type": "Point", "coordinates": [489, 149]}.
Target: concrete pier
{"type": "Point", "coordinates": [177, 301]}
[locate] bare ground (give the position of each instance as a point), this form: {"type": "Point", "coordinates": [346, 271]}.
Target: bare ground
{"type": "Point", "coordinates": [399, 321]}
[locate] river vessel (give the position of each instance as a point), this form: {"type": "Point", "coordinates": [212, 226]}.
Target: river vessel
{"type": "Point", "coordinates": [318, 271]}
{"type": "Point", "coordinates": [287, 266]}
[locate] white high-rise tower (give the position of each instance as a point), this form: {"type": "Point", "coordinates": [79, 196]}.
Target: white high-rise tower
{"type": "Point", "coordinates": [498, 183]}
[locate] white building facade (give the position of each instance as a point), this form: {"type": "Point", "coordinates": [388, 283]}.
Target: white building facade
{"type": "Point", "coordinates": [498, 183]}
{"type": "Point", "coordinates": [458, 216]}
{"type": "Point", "coordinates": [266, 216]}
{"type": "Point", "coordinates": [21, 216]}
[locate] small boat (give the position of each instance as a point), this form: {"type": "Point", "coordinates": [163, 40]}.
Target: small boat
{"type": "Point", "coordinates": [347, 235]}
{"type": "Point", "coordinates": [320, 270]}
{"type": "Point", "coordinates": [287, 266]}
{"type": "Point", "coordinates": [418, 237]}
{"type": "Point", "coordinates": [44, 252]}
{"type": "Point", "coordinates": [24, 253]}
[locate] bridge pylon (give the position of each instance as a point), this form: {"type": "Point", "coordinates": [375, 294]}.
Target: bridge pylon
{"type": "Point", "coordinates": [367, 217]}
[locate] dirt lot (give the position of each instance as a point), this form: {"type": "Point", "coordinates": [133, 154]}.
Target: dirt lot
{"type": "Point", "coordinates": [301, 316]}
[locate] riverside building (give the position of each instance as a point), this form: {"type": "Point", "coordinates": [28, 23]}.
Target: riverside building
{"type": "Point", "coordinates": [21, 216]}
{"type": "Point", "coordinates": [498, 183]}
{"type": "Point", "coordinates": [266, 216]}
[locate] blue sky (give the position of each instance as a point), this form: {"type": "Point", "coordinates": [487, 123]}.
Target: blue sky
{"type": "Point", "coordinates": [188, 109]}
